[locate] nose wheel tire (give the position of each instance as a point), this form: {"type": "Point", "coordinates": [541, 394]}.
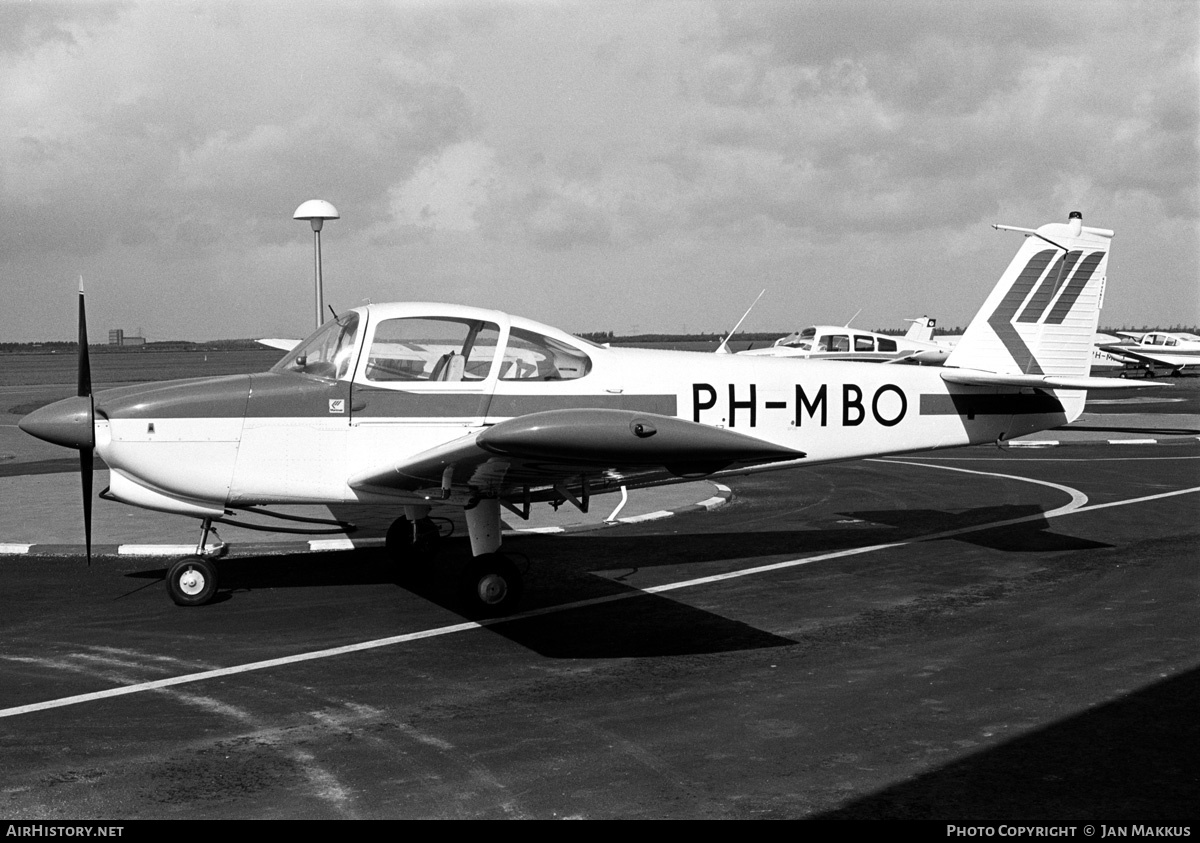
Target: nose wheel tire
{"type": "Point", "coordinates": [490, 587]}
{"type": "Point", "coordinates": [192, 581]}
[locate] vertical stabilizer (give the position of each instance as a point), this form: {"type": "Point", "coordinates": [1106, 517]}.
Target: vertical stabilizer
{"type": "Point", "coordinates": [1042, 315]}
{"type": "Point", "coordinates": [921, 329]}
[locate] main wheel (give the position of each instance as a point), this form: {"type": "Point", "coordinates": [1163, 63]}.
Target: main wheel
{"type": "Point", "coordinates": [490, 587]}
{"type": "Point", "coordinates": [192, 581]}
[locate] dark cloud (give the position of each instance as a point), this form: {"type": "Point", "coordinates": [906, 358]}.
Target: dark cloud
{"type": "Point", "coordinates": [28, 25]}
{"type": "Point", "coordinates": [685, 139]}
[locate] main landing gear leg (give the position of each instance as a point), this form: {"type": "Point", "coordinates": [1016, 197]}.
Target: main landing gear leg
{"type": "Point", "coordinates": [491, 584]}
{"type": "Point", "coordinates": [413, 536]}
{"type": "Point", "coordinates": [192, 580]}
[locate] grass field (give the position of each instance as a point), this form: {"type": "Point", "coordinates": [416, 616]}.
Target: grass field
{"type": "Point", "coordinates": [133, 367]}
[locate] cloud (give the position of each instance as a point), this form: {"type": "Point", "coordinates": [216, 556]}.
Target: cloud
{"type": "Point", "coordinates": [503, 146]}
{"type": "Point", "coordinates": [447, 189]}
{"type": "Point", "coordinates": [165, 118]}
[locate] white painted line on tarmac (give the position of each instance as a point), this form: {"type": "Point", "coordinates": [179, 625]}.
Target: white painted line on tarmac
{"type": "Point", "coordinates": [649, 516]}
{"type": "Point", "coordinates": [232, 671]}
{"type": "Point", "coordinates": [156, 549]}
{"type": "Point", "coordinates": [10, 548]}
{"type": "Point", "coordinates": [1078, 498]}
{"type": "Point", "coordinates": [330, 544]}
{"type": "Point", "coordinates": [794, 563]}
{"type": "Point", "coordinates": [344, 543]}
{"type": "Point", "coordinates": [1032, 443]}
{"type": "Point", "coordinates": [125, 690]}
{"type": "Point", "coordinates": [1132, 441]}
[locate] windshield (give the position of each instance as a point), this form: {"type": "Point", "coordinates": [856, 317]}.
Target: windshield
{"type": "Point", "coordinates": [325, 354]}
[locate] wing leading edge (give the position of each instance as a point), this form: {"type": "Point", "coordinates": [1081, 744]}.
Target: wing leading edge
{"type": "Point", "coordinates": [542, 449]}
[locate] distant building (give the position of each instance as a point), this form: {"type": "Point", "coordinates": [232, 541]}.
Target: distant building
{"type": "Point", "coordinates": [117, 337]}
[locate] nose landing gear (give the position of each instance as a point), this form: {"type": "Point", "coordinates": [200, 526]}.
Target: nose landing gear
{"type": "Point", "coordinates": [192, 580]}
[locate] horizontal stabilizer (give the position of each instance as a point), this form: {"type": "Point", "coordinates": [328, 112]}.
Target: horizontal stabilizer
{"type": "Point", "coordinates": [968, 377]}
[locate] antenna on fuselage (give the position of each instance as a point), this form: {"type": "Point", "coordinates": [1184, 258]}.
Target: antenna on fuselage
{"type": "Point", "coordinates": [723, 348]}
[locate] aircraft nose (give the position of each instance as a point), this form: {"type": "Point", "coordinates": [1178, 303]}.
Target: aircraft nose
{"type": "Point", "coordinates": [67, 423]}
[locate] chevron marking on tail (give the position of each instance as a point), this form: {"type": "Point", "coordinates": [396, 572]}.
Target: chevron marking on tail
{"type": "Point", "coordinates": [1001, 318]}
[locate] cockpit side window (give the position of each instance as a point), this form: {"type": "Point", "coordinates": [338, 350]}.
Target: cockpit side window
{"type": "Point", "coordinates": [532, 356]}
{"type": "Point", "coordinates": [862, 343]}
{"type": "Point", "coordinates": [834, 342]}
{"type": "Point", "coordinates": [328, 353]}
{"type": "Point", "coordinates": [432, 349]}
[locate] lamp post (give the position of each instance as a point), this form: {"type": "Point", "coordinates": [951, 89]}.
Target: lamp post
{"type": "Point", "coordinates": [316, 211]}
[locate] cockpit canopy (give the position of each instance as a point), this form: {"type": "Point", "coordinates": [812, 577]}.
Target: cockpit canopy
{"type": "Point", "coordinates": [835, 340]}
{"type": "Point", "coordinates": [328, 353]}
{"type": "Point", "coordinates": [436, 348]}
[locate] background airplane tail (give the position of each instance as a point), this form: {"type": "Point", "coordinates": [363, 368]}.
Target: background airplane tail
{"type": "Point", "coordinates": [921, 329]}
{"type": "Point", "coordinates": [1041, 317]}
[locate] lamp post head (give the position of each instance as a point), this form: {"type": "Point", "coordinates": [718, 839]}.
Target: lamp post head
{"type": "Point", "coordinates": [316, 211]}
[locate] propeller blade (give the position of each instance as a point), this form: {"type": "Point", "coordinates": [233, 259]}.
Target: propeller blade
{"type": "Point", "coordinates": [85, 476]}
{"type": "Point", "coordinates": [85, 366]}
{"type": "Point", "coordinates": [84, 390]}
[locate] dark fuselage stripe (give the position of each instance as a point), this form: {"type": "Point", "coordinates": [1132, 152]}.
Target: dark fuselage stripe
{"type": "Point", "coordinates": [989, 405]}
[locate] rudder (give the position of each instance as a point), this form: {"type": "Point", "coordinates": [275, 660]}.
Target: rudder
{"type": "Point", "coordinates": [1041, 317]}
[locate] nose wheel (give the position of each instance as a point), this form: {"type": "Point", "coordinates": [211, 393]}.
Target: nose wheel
{"type": "Point", "coordinates": [192, 581]}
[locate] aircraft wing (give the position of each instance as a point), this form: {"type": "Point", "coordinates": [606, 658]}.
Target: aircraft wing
{"type": "Point", "coordinates": [1174, 361]}
{"type": "Point", "coordinates": [281, 344]}
{"type": "Point", "coordinates": [970, 377]}
{"type": "Point", "coordinates": [602, 448]}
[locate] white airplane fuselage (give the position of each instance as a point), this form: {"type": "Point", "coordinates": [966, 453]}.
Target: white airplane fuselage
{"type": "Point", "coordinates": [286, 437]}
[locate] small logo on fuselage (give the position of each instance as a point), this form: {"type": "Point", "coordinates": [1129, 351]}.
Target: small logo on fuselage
{"type": "Point", "coordinates": [337, 405]}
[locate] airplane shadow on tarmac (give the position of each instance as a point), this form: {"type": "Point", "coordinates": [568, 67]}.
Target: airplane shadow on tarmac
{"type": "Point", "coordinates": [1033, 536]}
{"type": "Point", "coordinates": [621, 621]}
{"type": "Point", "coordinates": [1131, 760]}
{"type": "Point", "coordinates": [627, 623]}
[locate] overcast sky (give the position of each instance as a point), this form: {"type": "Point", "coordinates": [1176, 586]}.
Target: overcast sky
{"type": "Point", "coordinates": [595, 165]}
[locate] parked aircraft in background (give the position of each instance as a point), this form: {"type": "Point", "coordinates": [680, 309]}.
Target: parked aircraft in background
{"type": "Point", "coordinates": [409, 405]}
{"type": "Point", "coordinates": [1156, 351]}
{"type": "Point", "coordinates": [832, 342]}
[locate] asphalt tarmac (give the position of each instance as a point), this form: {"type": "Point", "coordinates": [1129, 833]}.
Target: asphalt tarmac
{"type": "Point", "coordinates": [979, 635]}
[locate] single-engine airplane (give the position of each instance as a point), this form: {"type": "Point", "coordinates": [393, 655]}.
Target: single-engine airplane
{"type": "Point", "coordinates": [1157, 350]}
{"type": "Point", "coordinates": [409, 405]}
{"type": "Point", "coordinates": [832, 342]}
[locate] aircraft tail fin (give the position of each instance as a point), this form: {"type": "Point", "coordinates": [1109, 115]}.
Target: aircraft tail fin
{"type": "Point", "coordinates": [921, 329]}
{"type": "Point", "coordinates": [1042, 315]}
